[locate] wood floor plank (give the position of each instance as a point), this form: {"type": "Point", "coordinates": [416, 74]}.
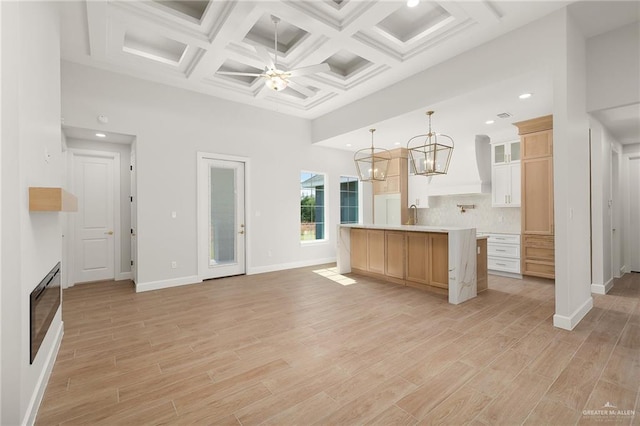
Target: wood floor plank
{"type": "Point", "coordinates": [550, 412]}
{"type": "Point", "coordinates": [370, 404]}
{"type": "Point", "coordinates": [460, 408]}
{"type": "Point", "coordinates": [295, 347]}
{"type": "Point", "coordinates": [419, 402]}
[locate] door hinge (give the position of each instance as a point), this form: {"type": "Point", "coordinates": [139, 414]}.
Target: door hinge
{"type": "Point", "coordinates": [131, 199]}
{"type": "Point", "coordinates": [131, 231]}
{"type": "Point", "coordinates": [132, 263]}
{"type": "Point", "coordinates": [131, 168]}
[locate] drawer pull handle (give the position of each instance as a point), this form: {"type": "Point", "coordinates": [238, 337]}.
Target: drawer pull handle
{"type": "Point", "coordinates": [501, 264]}
{"type": "Point", "coordinates": [500, 250]}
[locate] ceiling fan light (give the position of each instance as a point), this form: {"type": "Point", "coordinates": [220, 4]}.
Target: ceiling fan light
{"type": "Point", "coordinates": [413, 3]}
{"type": "Point", "coordinates": [276, 83]}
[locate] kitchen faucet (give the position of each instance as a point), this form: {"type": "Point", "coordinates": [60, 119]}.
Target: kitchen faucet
{"type": "Point", "coordinates": [413, 220]}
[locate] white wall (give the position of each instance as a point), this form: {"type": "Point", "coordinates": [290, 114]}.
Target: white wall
{"type": "Point", "coordinates": [31, 242]}
{"type": "Point", "coordinates": [171, 125]}
{"type": "Point", "coordinates": [613, 64]}
{"type": "Point", "coordinates": [125, 191]}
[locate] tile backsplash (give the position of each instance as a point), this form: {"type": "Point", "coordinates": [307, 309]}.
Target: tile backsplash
{"type": "Point", "coordinates": [443, 211]}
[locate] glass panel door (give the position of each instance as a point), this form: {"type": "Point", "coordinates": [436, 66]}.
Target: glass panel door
{"type": "Point", "coordinates": [221, 223]}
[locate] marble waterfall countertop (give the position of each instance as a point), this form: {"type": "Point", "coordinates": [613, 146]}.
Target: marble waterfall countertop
{"type": "Point", "coordinates": [414, 228]}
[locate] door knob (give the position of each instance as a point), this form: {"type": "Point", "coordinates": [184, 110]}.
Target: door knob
{"type": "Point", "coordinates": [241, 232]}
{"type": "Point", "coordinates": [108, 233]}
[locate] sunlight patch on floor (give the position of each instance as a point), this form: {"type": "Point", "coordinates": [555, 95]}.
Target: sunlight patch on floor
{"type": "Point", "coordinates": [333, 275]}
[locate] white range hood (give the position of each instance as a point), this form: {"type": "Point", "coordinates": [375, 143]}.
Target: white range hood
{"type": "Point", "coordinates": [469, 171]}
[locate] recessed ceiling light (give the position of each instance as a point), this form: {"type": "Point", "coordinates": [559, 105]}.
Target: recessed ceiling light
{"type": "Point", "coordinates": [525, 96]}
{"type": "Point", "coordinates": [489, 122]}
{"type": "Point", "coordinates": [397, 143]}
{"type": "Point", "coordinates": [101, 135]}
{"type": "Point", "coordinates": [413, 3]}
{"type": "Point", "coordinates": [348, 144]}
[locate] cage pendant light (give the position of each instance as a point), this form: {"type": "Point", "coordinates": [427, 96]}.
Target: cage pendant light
{"type": "Point", "coordinates": [372, 163]}
{"type": "Point", "coordinates": [430, 154]}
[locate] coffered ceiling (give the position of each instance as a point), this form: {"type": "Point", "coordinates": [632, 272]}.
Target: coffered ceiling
{"type": "Point", "coordinates": [368, 44]}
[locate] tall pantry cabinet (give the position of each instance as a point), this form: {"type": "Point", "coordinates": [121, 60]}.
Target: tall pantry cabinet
{"type": "Point", "coordinates": [536, 144]}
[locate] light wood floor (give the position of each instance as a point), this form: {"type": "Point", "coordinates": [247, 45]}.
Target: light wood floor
{"type": "Point", "coordinates": [298, 347]}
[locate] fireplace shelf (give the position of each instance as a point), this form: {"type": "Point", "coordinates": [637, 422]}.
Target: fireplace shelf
{"type": "Point", "coordinates": [52, 200]}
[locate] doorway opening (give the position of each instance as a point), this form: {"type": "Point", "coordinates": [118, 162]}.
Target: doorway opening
{"type": "Point", "coordinates": [99, 240]}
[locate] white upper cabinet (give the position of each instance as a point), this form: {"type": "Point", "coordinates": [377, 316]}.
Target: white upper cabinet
{"type": "Point", "coordinates": [505, 153]}
{"type": "Point", "coordinates": [505, 174]}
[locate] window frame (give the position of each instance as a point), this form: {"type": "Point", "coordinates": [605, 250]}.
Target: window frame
{"type": "Point", "coordinates": [360, 212]}
{"type": "Point", "coordinates": [325, 209]}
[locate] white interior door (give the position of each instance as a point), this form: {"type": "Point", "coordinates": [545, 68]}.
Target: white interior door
{"type": "Point", "coordinates": [634, 214]}
{"type": "Point", "coordinates": [221, 223]}
{"type": "Point", "coordinates": [94, 221]}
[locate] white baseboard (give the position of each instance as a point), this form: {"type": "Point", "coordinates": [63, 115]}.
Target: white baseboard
{"type": "Point", "coordinates": [505, 274]}
{"type": "Point", "coordinates": [602, 288]}
{"type": "Point", "coordinates": [569, 322]}
{"type": "Point", "coordinates": [43, 380]}
{"type": "Point", "coordinates": [174, 282]}
{"type": "Point", "coordinates": [291, 265]}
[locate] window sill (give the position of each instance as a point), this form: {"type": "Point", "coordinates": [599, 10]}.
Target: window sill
{"type": "Point", "coordinates": [314, 242]}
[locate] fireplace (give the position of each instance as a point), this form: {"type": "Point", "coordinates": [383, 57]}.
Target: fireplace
{"type": "Point", "coordinates": [44, 303]}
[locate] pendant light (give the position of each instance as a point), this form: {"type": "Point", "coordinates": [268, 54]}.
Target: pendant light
{"type": "Point", "coordinates": [372, 163]}
{"type": "Point", "coordinates": [430, 154]}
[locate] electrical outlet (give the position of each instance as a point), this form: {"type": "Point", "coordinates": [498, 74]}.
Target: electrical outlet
{"type": "Point", "coordinates": [174, 264]}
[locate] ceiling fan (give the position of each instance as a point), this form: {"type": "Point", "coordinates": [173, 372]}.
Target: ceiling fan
{"type": "Point", "coordinates": [275, 77]}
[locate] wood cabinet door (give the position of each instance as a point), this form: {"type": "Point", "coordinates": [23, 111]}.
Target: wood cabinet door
{"type": "Point", "coordinates": [537, 196]}
{"type": "Point", "coordinates": [481, 265]}
{"type": "Point", "coordinates": [417, 253]}
{"type": "Point", "coordinates": [375, 251]}
{"type": "Point", "coordinates": [439, 260]}
{"type": "Point", "coordinates": [394, 266]}
{"type": "Point", "coordinates": [538, 144]}
{"type": "Point", "coordinates": [359, 249]}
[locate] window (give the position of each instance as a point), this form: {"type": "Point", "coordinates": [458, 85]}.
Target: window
{"type": "Point", "coordinates": [312, 206]}
{"type": "Point", "coordinates": [349, 200]}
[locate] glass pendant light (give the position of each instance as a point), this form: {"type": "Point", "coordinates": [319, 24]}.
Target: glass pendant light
{"type": "Point", "coordinates": [372, 163]}
{"type": "Point", "coordinates": [430, 154]}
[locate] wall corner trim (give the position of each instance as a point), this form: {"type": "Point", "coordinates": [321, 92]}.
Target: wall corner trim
{"type": "Point", "coordinates": [569, 322]}
{"type": "Point", "coordinates": [174, 282]}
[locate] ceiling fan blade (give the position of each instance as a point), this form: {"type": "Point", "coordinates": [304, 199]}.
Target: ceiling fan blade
{"type": "Point", "coordinates": [263, 53]}
{"type": "Point", "coordinates": [247, 74]}
{"type": "Point", "coordinates": [300, 88]}
{"type": "Point", "coordinates": [311, 69]}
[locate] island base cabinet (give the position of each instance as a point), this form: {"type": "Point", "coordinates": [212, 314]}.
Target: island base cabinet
{"type": "Point", "coordinates": [427, 260]}
{"type": "Point", "coordinates": [394, 266]}
{"type": "Point", "coordinates": [417, 255]}
{"type": "Point", "coordinates": [375, 252]}
{"type": "Point", "coordinates": [359, 249]}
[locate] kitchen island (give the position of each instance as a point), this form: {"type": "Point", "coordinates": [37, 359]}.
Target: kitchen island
{"type": "Point", "coordinates": [436, 258]}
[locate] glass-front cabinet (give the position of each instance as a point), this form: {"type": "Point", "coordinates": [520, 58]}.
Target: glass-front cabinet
{"type": "Point", "coordinates": [505, 174]}
{"type": "Point", "coordinates": [506, 152]}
